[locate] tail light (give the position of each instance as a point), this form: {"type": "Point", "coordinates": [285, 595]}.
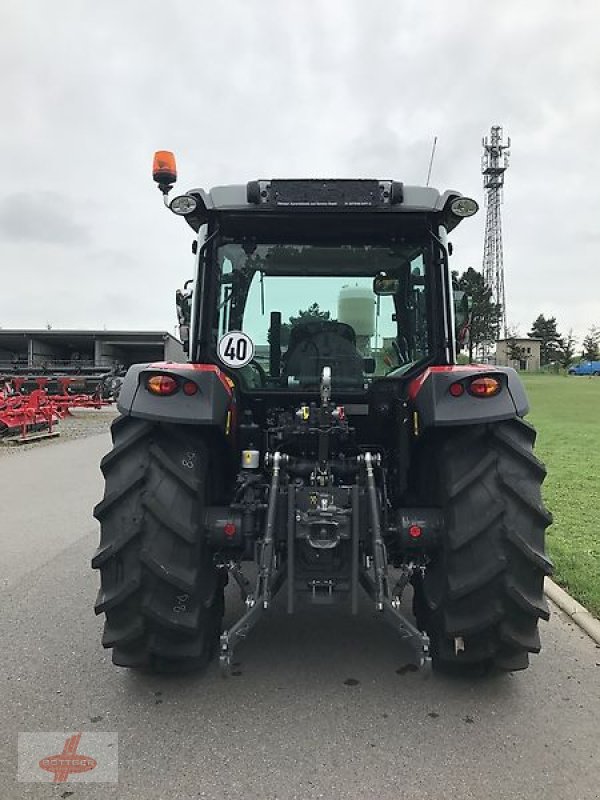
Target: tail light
{"type": "Point", "coordinates": [456, 389]}
{"type": "Point", "coordinates": [162, 385]}
{"type": "Point", "coordinates": [190, 388]}
{"type": "Point", "coordinates": [484, 387]}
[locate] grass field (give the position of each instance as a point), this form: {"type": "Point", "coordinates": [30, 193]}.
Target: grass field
{"type": "Point", "coordinates": [566, 413]}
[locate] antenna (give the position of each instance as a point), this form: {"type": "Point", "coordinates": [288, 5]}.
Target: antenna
{"type": "Point", "coordinates": [494, 164]}
{"type": "Point", "coordinates": [431, 159]}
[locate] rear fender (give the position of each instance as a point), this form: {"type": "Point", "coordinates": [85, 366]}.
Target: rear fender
{"type": "Point", "coordinates": [211, 405]}
{"type": "Point", "coordinates": [430, 397]}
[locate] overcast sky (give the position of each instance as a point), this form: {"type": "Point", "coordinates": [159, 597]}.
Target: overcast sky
{"type": "Point", "coordinates": [245, 89]}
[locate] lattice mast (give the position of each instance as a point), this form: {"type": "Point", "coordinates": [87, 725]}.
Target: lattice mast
{"type": "Point", "coordinates": [494, 164]}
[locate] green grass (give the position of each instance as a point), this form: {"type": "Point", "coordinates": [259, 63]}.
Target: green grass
{"type": "Point", "coordinates": [566, 412]}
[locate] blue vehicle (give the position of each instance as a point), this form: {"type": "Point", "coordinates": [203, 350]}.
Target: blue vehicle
{"type": "Point", "coordinates": [585, 368]}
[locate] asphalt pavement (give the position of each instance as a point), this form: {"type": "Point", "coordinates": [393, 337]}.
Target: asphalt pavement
{"type": "Point", "coordinates": [321, 705]}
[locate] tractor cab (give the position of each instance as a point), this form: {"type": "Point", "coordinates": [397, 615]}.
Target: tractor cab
{"type": "Point", "coordinates": [306, 305]}
{"type": "Point", "coordinates": [296, 275]}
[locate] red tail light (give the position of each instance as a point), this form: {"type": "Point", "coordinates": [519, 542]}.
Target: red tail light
{"type": "Point", "coordinates": [162, 385]}
{"type": "Point", "coordinates": [190, 388]}
{"type": "Point", "coordinates": [484, 387]}
{"type": "Point", "coordinates": [456, 389]}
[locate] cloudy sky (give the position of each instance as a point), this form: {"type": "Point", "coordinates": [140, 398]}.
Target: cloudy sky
{"type": "Point", "coordinates": [242, 89]}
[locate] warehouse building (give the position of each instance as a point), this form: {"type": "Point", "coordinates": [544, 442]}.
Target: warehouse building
{"type": "Point", "coordinates": [83, 352]}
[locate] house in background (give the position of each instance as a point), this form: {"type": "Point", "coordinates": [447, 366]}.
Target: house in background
{"type": "Point", "coordinates": [521, 354]}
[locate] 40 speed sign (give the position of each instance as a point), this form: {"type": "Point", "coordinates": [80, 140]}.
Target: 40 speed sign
{"type": "Point", "coordinates": [236, 349]}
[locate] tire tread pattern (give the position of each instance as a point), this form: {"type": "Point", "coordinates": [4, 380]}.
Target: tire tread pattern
{"type": "Point", "coordinates": [160, 591]}
{"type": "Point", "coordinates": [486, 586]}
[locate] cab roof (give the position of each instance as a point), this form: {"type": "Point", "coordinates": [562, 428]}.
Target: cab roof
{"type": "Point", "coordinates": [323, 196]}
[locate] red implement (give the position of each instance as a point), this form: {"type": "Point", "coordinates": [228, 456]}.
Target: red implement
{"type": "Point", "coordinates": [27, 414]}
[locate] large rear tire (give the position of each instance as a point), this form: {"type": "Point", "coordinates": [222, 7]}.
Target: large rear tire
{"type": "Point", "coordinates": [482, 595]}
{"type": "Point", "coordinates": [160, 591]}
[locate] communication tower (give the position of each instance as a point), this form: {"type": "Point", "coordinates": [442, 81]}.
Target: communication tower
{"type": "Point", "coordinates": [494, 164]}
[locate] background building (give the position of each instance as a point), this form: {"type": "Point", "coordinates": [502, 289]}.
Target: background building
{"type": "Point", "coordinates": [83, 352]}
{"type": "Point", "coordinates": [522, 354]}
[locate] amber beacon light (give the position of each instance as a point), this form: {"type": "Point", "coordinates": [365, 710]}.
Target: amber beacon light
{"type": "Point", "coordinates": [164, 169]}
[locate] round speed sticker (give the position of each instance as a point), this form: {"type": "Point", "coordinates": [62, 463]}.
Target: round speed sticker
{"type": "Point", "coordinates": [236, 349]}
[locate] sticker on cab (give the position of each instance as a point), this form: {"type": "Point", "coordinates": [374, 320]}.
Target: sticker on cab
{"type": "Point", "coordinates": [236, 349]}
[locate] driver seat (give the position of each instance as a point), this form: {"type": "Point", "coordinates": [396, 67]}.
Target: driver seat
{"type": "Point", "coordinates": [322, 343]}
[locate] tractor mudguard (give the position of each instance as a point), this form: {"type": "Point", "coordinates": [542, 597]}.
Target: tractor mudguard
{"type": "Point", "coordinates": [209, 405]}
{"type": "Point", "coordinates": [436, 406]}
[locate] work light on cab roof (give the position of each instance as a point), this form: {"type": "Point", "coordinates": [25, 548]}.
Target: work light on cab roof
{"type": "Point", "coordinates": [183, 204]}
{"type": "Point", "coordinates": [464, 207]}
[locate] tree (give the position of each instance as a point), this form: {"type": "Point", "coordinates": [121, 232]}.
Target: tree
{"type": "Point", "coordinates": [545, 329]}
{"type": "Point", "coordinates": [591, 344]}
{"type": "Point", "coordinates": [313, 312]}
{"type": "Point", "coordinates": [514, 351]}
{"type": "Point", "coordinates": [484, 316]}
{"type": "Point", "coordinates": [566, 349]}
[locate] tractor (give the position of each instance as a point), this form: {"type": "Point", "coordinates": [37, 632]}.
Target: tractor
{"type": "Point", "coordinates": [321, 439]}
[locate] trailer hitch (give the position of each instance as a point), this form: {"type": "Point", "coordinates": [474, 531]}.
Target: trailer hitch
{"type": "Point", "coordinates": [373, 577]}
